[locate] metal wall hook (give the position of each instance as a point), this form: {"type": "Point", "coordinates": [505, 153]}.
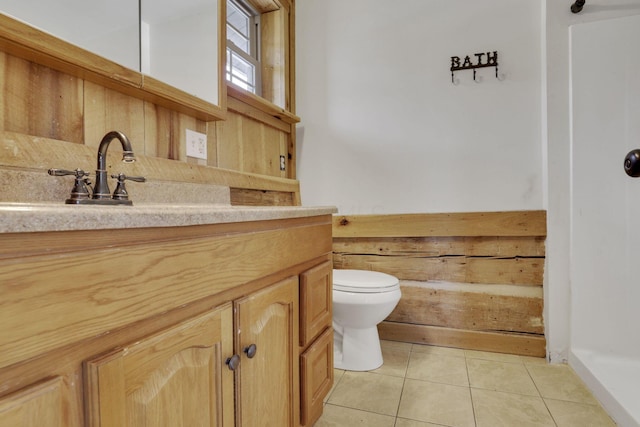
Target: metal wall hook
{"type": "Point", "coordinates": [482, 60]}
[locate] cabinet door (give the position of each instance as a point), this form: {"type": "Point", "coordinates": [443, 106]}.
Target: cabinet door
{"type": "Point", "coordinates": [316, 296]}
{"type": "Point", "coordinates": [176, 378]}
{"type": "Point", "coordinates": [268, 380]}
{"type": "Point", "coordinates": [40, 405]}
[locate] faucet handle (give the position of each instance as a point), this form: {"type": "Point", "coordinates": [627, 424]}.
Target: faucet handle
{"type": "Point", "coordinates": [80, 190]}
{"type": "Point", "coordinates": [120, 193]}
{"type": "Point", "coordinates": [78, 173]}
{"type": "Point", "coordinates": [122, 177]}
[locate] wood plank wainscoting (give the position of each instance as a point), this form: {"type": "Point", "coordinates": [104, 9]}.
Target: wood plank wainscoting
{"type": "Point", "coordinates": [469, 280]}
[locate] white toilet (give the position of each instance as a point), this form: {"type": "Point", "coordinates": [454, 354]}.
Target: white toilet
{"type": "Point", "coordinates": [361, 300]}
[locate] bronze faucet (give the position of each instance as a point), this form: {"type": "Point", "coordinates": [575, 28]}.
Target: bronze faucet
{"type": "Point", "coordinates": [101, 187]}
{"type": "Point", "coordinates": [100, 192]}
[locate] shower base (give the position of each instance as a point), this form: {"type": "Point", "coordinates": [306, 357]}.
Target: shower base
{"type": "Point", "coordinates": [613, 380]}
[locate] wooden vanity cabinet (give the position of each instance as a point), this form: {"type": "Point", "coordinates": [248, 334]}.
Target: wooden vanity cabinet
{"type": "Point", "coordinates": [144, 338]}
{"type": "Point", "coordinates": [179, 377]}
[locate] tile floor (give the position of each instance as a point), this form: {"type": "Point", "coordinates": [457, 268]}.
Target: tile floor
{"type": "Point", "coordinates": [427, 386]}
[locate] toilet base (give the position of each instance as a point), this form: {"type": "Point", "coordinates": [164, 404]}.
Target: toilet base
{"type": "Point", "coordinates": [356, 349]}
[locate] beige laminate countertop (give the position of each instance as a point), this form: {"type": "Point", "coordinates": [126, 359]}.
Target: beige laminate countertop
{"type": "Point", "coordinates": [39, 217]}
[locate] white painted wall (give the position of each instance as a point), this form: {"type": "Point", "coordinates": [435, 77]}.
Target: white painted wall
{"type": "Point", "coordinates": [383, 128]}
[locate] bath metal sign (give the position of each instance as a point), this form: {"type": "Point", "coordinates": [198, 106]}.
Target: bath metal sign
{"type": "Point", "coordinates": [480, 60]}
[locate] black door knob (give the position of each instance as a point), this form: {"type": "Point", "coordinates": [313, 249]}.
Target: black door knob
{"type": "Point", "coordinates": [632, 163]}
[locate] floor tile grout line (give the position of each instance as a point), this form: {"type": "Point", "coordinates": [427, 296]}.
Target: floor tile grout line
{"type": "Point", "coordinates": [439, 355]}
{"type": "Point", "coordinates": [535, 384]}
{"type": "Point", "coordinates": [540, 395]}
{"type": "Point", "coordinates": [404, 381]}
{"type": "Point", "coordinates": [335, 385]}
{"type": "Point", "coordinates": [360, 410]}
{"type": "Point", "coordinates": [473, 406]}
{"type": "Point", "coordinates": [550, 413]}
{"type": "Point", "coordinates": [469, 386]}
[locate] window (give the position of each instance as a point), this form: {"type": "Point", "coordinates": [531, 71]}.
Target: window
{"type": "Point", "coordinates": [243, 66]}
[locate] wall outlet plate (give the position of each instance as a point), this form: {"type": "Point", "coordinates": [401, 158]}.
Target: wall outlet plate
{"type": "Point", "coordinates": [196, 144]}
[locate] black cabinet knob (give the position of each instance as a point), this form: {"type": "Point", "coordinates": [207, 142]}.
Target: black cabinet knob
{"type": "Point", "coordinates": [233, 362]}
{"type": "Point", "coordinates": [250, 351]}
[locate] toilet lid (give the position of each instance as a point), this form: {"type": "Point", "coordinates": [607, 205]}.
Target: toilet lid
{"type": "Point", "coordinates": [364, 281]}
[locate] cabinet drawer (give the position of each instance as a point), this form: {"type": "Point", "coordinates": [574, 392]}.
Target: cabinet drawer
{"type": "Point", "coordinates": [316, 296]}
{"type": "Point", "coordinates": [316, 377]}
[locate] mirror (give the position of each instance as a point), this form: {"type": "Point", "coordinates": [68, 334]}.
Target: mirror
{"type": "Point", "coordinates": [157, 46]}
{"type": "Point", "coordinates": [108, 28]}
{"type": "Point", "coordinates": [179, 45]}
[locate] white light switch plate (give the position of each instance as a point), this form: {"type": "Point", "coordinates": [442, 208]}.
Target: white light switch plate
{"type": "Point", "coordinates": [196, 144]}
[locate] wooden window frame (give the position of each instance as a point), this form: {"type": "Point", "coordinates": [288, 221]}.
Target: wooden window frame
{"type": "Point", "coordinates": [252, 56]}
{"type": "Point", "coordinates": [277, 61]}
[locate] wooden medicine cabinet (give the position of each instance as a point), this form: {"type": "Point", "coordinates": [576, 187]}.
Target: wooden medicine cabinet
{"type": "Point", "coordinates": [170, 53]}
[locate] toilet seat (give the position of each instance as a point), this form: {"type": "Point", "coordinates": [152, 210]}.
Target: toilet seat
{"type": "Point", "coordinates": [363, 281]}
